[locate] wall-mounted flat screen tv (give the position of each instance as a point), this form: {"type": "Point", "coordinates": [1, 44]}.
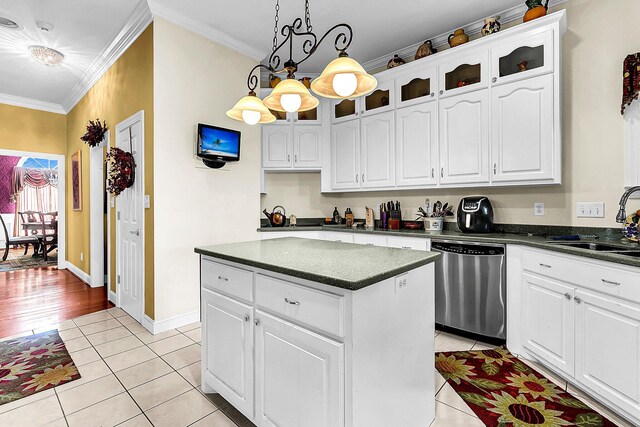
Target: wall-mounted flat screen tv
{"type": "Point", "coordinates": [215, 143]}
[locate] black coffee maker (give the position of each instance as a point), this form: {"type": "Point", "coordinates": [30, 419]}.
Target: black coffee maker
{"type": "Point", "coordinates": [475, 215]}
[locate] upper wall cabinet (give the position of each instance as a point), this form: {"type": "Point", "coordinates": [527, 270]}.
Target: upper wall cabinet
{"type": "Point", "coordinates": [416, 87]}
{"type": "Point", "coordinates": [345, 110]}
{"type": "Point", "coordinates": [523, 58]}
{"type": "Point", "coordinates": [417, 145]}
{"type": "Point", "coordinates": [380, 100]}
{"type": "Point", "coordinates": [464, 73]}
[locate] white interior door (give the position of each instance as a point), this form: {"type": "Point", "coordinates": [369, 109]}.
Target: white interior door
{"type": "Point", "coordinates": [130, 225]}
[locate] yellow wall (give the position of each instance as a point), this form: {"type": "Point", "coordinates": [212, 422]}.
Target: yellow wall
{"type": "Point", "coordinates": [593, 136]}
{"type": "Point", "coordinates": [24, 129]}
{"type": "Point", "coordinates": [125, 89]}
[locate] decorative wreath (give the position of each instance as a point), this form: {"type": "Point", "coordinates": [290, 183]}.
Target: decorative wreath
{"type": "Point", "coordinates": [95, 133]}
{"type": "Point", "coordinates": [122, 171]}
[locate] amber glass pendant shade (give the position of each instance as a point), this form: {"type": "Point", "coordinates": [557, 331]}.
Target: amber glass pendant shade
{"type": "Point", "coordinates": [251, 110]}
{"type": "Point", "coordinates": [338, 75]}
{"type": "Point", "coordinates": [286, 94]}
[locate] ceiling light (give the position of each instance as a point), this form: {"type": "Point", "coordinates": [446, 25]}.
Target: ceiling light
{"type": "Point", "coordinates": [46, 55]}
{"type": "Point", "coordinates": [251, 110]}
{"type": "Point", "coordinates": [342, 78]}
{"type": "Point", "coordinates": [45, 27]}
{"type": "Point", "coordinates": [8, 23]}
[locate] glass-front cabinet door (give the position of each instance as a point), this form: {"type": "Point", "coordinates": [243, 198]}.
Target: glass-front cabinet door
{"type": "Point", "coordinates": [464, 74]}
{"type": "Point", "coordinates": [282, 117]}
{"type": "Point", "coordinates": [523, 58]}
{"type": "Point", "coordinates": [310, 117]}
{"type": "Point", "coordinates": [343, 110]}
{"type": "Point", "coordinates": [380, 100]}
{"type": "Point", "coordinates": [416, 87]}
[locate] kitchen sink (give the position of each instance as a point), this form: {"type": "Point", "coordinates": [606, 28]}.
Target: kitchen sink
{"type": "Point", "coordinates": [600, 247]}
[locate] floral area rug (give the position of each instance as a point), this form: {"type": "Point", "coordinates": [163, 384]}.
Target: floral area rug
{"type": "Point", "coordinates": [504, 392]}
{"type": "Point", "coordinates": [33, 363]}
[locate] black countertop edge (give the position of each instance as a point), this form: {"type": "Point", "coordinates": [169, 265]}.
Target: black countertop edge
{"type": "Point", "coordinates": [300, 274]}
{"type": "Point", "coordinates": [503, 238]}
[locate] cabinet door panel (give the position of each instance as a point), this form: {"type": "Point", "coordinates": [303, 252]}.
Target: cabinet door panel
{"type": "Point", "coordinates": [345, 155]}
{"type": "Point", "coordinates": [306, 149]}
{"type": "Point", "coordinates": [299, 376]}
{"type": "Point", "coordinates": [464, 139]}
{"type": "Point", "coordinates": [378, 146]}
{"type": "Point", "coordinates": [548, 320]}
{"type": "Point", "coordinates": [523, 130]}
{"type": "Point", "coordinates": [277, 144]}
{"type": "Point", "coordinates": [228, 353]}
{"type": "Point", "coordinates": [608, 348]}
{"type": "Point", "coordinates": [417, 145]}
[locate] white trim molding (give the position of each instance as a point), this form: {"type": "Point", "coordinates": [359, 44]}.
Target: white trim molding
{"type": "Point", "coordinates": [138, 21]}
{"type": "Point", "coordinates": [78, 272]}
{"type": "Point", "coordinates": [112, 297]}
{"type": "Point", "coordinates": [513, 14]}
{"type": "Point", "coordinates": [33, 104]}
{"type": "Point", "coordinates": [205, 30]}
{"type": "Point", "coordinates": [159, 326]}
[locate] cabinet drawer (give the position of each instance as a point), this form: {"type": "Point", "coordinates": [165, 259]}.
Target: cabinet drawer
{"type": "Point", "coordinates": [612, 280]}
{"type": "Point", "coordinates": [370, 240]}
{"type": "Point", "coordinates": [407, 243]}
{"type": "Point", "coordinates": [226, 279]}
{"type": "Point", "coordinates": [315, 308]}
{"type": "Point", "coordinates": [337, 236]}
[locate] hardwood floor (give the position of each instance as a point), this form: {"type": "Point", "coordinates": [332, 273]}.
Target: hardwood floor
{"type": "Point", "coordinates": [42, 297]}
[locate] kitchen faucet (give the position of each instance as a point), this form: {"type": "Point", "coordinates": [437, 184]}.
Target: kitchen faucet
{"type": "Point", "coordinates": [622, 215]}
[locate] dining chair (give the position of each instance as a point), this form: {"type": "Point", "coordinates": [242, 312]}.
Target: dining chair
{"type": "Point", "coordinates": [49, 237]}
{"type": "Point", "coordinates": [27, 217]}
{"type": "Point", "coordinates": [16, 241]}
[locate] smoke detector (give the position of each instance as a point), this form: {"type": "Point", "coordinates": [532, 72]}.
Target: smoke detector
{"type": "Point", "coordinates": [45, 27]}
{"type": "Point", "coordinates": [8, 23]}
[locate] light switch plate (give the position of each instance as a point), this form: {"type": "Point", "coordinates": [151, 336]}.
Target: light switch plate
{"type": "Point", "coordinates": [590, 209]}
{"type": "Point", "coordinates": [147, 201]}
{"type": "Point", "coordinates": [538, 209]}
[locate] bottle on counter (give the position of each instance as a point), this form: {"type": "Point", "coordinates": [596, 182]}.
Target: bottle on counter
{"type": "Point", "coordinates": [336, 216]}
{"type": "Point", "coordinates": [348, 215]}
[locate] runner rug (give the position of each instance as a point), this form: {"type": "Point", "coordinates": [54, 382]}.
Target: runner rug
{"type": "Point", "coordinates": [32, 364]}
{"type": "Point", "coordinates": [503, 391]}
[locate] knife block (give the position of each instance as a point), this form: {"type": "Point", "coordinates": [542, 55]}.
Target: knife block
{"type": "Point", "coordinates": [395, 220]}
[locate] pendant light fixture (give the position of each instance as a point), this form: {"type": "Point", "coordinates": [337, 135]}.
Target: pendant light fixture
{"type": "Point", "coordinates": [342, 78]}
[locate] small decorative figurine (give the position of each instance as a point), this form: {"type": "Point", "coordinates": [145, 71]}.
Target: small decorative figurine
{"type": "Point", "coordinates": [458, 38]}
{"type": "Point", "coordinates": [523, 66]}
{"type": "Point", "coordinates": [491, 25]}
{"type": "Point", "coordinates": [536, 10]}
{"type": "Point", "coordinates": [396, 61]}
{"type": "Point", "coordinates": [425, 49]}
{"type": "Point", "coordinates": [274, 80]}
{"type": "Point", "coordinates": [306, 81]}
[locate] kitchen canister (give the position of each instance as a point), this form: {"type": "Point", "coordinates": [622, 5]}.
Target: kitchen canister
{"type": "Point", "coordinates": [433, 224]}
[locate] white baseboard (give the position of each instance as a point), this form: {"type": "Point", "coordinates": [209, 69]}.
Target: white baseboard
{"type": "Point", "coordinates": [159, 326]}
{"type": "Point", "coordinates": [112, 297]}
{"type": "Point", "coordinates": [81, 274]}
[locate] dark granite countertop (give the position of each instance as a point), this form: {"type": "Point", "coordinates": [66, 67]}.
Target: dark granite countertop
{"type": "Point", "coordinates": [343, 265]}
{"type": "Point", "coordinates": [504, 238]}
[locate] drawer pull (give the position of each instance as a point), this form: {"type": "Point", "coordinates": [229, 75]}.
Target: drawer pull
{"type": "Point", "coordinates": [406, 247]}
{"type": "Point", "coordinates": [288, 301]}
{"type": "Point", "coordinates": [568, 296]}
{"type": "Point", "coordinates": [545, 265]}
{"type": "Point", "coordinates": [246, 318]}
{"type": "Point", "coordinates": [256, 322]}
{"type": "Point", "coordinates": [578, 300]}
{"type": "Point", "coordinates": [370, 244]}
{"type": "Point", "coordinates": [609, 282]}
{"type": "Point", "coordinates": [224, 279]}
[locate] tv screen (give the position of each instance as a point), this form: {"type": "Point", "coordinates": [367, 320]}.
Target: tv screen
{"type": "Point", "coordinates": [215, 143]}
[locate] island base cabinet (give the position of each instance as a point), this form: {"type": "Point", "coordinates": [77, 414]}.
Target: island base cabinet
{"type": "Point", "coordinates": [608, 349]}
{"type": "Point", "coordinates": [227, 359]}
{"type": "Point", "coordinates": [299, 376]}
{"type": "Point", "coordinates": [548, 321]}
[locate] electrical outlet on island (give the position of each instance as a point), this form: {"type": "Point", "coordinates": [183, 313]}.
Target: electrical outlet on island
{"type": "Point", "coordinates": [538, 209]}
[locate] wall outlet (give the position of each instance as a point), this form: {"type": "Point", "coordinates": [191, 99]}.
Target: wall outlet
{"type": "Point", "coordinates": [81, 256]}
{"type": "Point", "coordinates": [590, 209]}
{"type": "Point", "coordinates": [538, 209]}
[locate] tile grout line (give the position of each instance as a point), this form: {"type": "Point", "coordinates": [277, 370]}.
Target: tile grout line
{"type": "Point", "coordinates": [64, 415]}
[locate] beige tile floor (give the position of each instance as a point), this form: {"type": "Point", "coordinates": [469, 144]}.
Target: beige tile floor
{"type": "Point", "coordinates": [135, 379]}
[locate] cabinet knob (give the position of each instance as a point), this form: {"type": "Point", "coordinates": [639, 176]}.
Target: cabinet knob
{"type": "Point", "coordinates": [441, 172]}
{"type": "Point", "coordinates": [356, 113]}
{"type": "Point", "coordinates": [295, 158]}
{"type": "Point", "coordinates": [246, 318]}
{"type": "Point", "coordinates": [361, 111]}
{"type": "Point", "coordinates": [495, 168]}
{"type": "Point", "coordinates": [433, 173]}
{"type": "Point", "coordinates": [357, 178]}
{"type": "Point", "coordinates": [433, 94]}
{"type": "Point", "coordinates": [224, 279]}
{"type": "Point", "coordinates": [495, 79]}
{"type": "Point", "coordinates": [256, 322]}
{"type": "Point", "coordinates": [441, 92]}
{"type": "Point", "coordinates": [362, 177]}
{"type": "Point", "coordinates": [288, 301]}
{"type": "Point", "coordinates": [288, 120]}
{"type": "Point", "coordinates": [295, 120]}
{"type": "Point", "coordinates": [578, 300]}
{"type": "Point", "coordinates": [567, 296]}
{"type": "Point", "coordinates": [288, 158]}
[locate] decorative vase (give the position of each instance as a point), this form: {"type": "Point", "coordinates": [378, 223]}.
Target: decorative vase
{"type": "Point", "coordinates": [425, 49]}
{"type": "Point", "coordinates": [491, 25]}
{"type": "Point", "coordinates": [274, 80]}
{"type": "Point", "coordinates": [458, 38]}
{"type": "Point", "coordinates": [396, 61]}
{"type": "Point", "coordinates": [523, 66]}
{"type": "Point", "coordinates": [536, 10]}
{"type": "Point", "coordinates": [306, 81]}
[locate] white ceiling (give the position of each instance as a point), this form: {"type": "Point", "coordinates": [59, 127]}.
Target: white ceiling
{"type": "Point", "coordinates": [83, 29]}
{"type": "Point", "coordinates": [380, 26]}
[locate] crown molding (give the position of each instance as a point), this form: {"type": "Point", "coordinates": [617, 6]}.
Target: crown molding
{"type": "Point", "coordinates": [33, 104]}
{"type": "Point", "coordinates": [507, 16]}
{"type": "Point", "coordinates": [138, 21]}
{"type": "Point", "coordinates": [205, 30]}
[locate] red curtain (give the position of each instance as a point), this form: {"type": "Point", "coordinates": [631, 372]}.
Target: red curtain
{"type": "Point", "coordinates": [37, 178]}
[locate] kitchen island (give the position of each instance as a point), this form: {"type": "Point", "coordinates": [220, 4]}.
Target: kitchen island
{"type": "Point", "coordinates": [300, 332]}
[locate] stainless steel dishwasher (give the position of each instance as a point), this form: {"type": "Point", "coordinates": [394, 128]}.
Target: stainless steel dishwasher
{"type": "Point", "coordinates": [471, 287]}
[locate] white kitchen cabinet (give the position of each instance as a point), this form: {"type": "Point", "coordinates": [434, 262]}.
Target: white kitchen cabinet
{"type": "Point", "coordinates": [411, 243]}
{"type": "Point", "coordinates": [464, 138]}
{"type": "Point", "coordinates": [369, 239]}
{"type": "Point", "coordinates": [377, 150]}
{"type": "Point", "coordinates": [291, 146]}
{"type": "Point", "coordinates": [523, 132]}
{"type": "Point", "coordinates": [337, 236]}
{"type": "Point", "coordinates": [417, 145]}
{"type": "Point", "coordinates": [345, 155]}
{"type": "Point", "coordinates": [380, 100]}
{"type": "Point", "coordinates": [277, 146]}
{"type": "Point", "coordinates": [343, 110]}
{"type": "Point", "coordinates": [548, 321]}
{"type": "Point", "coordinates": [608, 348]}
{"type": "Point", "coordinates": [227, 357]}
{"type": "Point", "coordinates": [534, 52]}
{"type": "Point", "coordinates": [314, 395]}
{"type": "Point", "coordinates": [307, 146]}
{"type": "Point", "coordinates": [463, 73]}
{"type": "Point", "coordinates": [416, 87]}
